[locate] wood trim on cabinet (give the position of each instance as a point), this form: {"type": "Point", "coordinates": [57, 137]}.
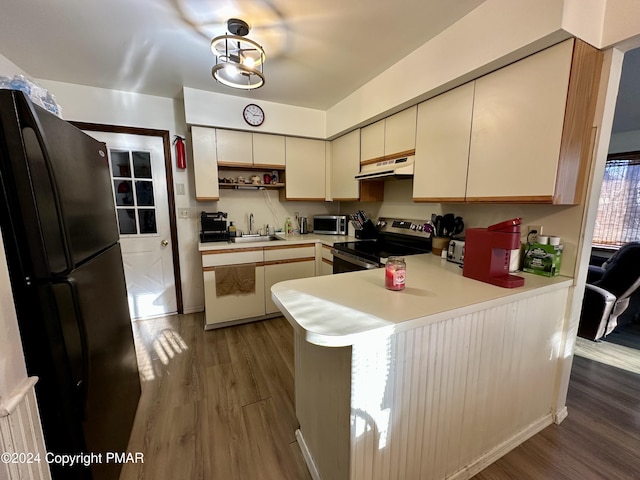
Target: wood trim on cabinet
{"type": "Point", "coordinates": [440, 199]}
{"type": "Point", "coordinates": [232, 250]}
{"type": "Point", "coordinates": [575, 150]}
{"type": "Point", "coordinates": [543, 199]}
{"type": "Point", "coordinates": [328, 262]}
{"type": "Point", "coordinates": [289, 260]}
{"type": "Point", "coordinates": [235, 165]}
{"type": "Point", "coordinates": [372, 190]}
{"type": "Point", "coordinates": [213, 269]}
{"type": "Point", "coordinates": [344, 199]}
{"type": "Point", "coordinates": [406, 153]}
{"type": "Point", "coordinates": [305, 199]}
{"type": "Point", "coordinates": [208, 199]}
{"type": "Point", "coordinates": [327, 247]}
{"type": "Point", "coordinates": [393, 156]}
{"type": "Point", "coordinates": [287, 247]}
{"type": "Point", "coordinates": [371, 160]}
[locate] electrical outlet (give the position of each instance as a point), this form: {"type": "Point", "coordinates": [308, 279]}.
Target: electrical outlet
{"type": "Point", "coordinates": [533, 237]}
{"type": "Point", "coordinates": [183, 213]}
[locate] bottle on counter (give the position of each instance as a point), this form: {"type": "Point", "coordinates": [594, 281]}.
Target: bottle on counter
{"type": "Point", "coordinates": [287, 226]}
{"type": "Point", "coordinates": [395, 271]}
{"type": "Point", "coordinates": [232, 229]}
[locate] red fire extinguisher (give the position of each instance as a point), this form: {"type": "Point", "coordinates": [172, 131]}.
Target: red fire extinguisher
{"type": "Point", "coordinates": [181, 158]}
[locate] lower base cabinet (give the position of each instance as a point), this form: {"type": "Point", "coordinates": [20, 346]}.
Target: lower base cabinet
{"type": "Point", "coordinates": [286, 263]}
{"type": "Point", "coordinates": [270, 264]}
{"type": "Point", "coordinates": [220, 309]}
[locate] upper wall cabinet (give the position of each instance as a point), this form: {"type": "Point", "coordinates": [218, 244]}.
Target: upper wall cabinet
{"type": "Point", "coordinates": [525, 130]}
{"type": "Point", "coordinates": [345, 164]}
{"type": "Point", "coordinates": [532, 127]}
{"type": "Point", "coordinates": [392, 137]}
{"type": "Point", "coordinates": [205, 163]}
{"type": "Point", "coordinates": [268, 150]}
{"type": "Point", "coordinates": [305, 169]}
{"type": "Point", "coordinates": [247, 149]}
{"type": "Point", "coordinates": [372, 141]}
{"type": "Point", "coordinates": [234, 148]}
{"type": "Point", "coordinates": [442, 146]}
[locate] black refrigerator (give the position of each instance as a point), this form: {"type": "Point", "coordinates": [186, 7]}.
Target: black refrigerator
{"type": "Point", "coordinates": [62, 246]}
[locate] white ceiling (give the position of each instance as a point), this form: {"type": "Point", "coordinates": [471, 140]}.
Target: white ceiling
{"type": "Point", "coordinates": [318, 51]}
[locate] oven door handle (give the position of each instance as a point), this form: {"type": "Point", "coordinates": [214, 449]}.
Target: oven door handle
{"type": "Point", "coordinates": [354, 260]}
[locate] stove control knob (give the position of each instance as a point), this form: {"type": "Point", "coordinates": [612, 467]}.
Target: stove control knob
{"type": "Point", "coordinates": [382, 223]}
{"type": "Point", "coordinates": [420, 228]}
{"type": "Point", "coordinates": [413, 226]}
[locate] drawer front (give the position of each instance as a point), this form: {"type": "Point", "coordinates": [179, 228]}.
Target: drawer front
{"type": "Point", "coordinates": [275, 253]}
{"type": "Point", "coordinates": [235, 256]}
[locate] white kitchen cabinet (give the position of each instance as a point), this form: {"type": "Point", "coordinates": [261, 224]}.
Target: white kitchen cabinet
{"type": "Point", "coordinates": [531, 130]}
{"type": "Point", "coordinates": [229, 308]}
{"type": "Point", "coordinates": [286, 262]}
{"type": "Point", "coordinates": [268, 150]}
{"type": "Point", "coordinates": [205, 163]}
{"type": "Point", "coordinates": [234, 148]}
{"type": "Point", "coordinates": [345, 165]}
{"type": "Point", "coordinates": [372, 141]}
{"type": "Point", "coordinates": [325, 264]}
{"type": "Point", "coordinates": [400, 133]}
{"type": "Point", "coordinates": [305, 169]}
{"type": "Point", "coordinates": [442, 146]}
{"type": "Point", "coordinates": [391, 137]}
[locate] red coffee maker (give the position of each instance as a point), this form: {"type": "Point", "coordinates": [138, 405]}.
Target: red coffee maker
{"type": "Point", "coordinates": [488, 253]}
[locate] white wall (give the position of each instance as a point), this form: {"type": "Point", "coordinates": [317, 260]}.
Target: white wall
{"type": "Point", "coordinates": [496, 33]}
{"type": "Point", "coordinates": [225, 111]}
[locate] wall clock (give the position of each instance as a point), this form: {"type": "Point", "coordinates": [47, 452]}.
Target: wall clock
{"type": "Point", "coordinates": [253, 115]}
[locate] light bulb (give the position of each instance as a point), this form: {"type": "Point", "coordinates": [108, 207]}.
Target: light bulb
{"type": "Point", "coordinates": [249, 62]}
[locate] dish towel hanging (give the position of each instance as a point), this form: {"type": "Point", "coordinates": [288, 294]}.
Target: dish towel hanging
{"type": "Point", "coordinates": [235, 279]}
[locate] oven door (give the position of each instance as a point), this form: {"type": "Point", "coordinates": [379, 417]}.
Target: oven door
{"type": "Point", "coordinates": [347, 262]}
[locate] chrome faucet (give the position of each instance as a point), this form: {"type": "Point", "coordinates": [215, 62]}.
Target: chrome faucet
{"type": "Point", "coordinates": [251, 224]}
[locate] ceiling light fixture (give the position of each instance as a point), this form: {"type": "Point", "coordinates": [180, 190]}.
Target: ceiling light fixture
{"type": "Point", "coordinates": [239, 60]}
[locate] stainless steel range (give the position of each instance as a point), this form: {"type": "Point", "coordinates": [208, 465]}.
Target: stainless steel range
{"type": "Point", "coordinates": [396, 237]}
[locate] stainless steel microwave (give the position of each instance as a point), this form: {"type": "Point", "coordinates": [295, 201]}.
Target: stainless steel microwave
{"type": "Point", "coordinates": [331, 224]}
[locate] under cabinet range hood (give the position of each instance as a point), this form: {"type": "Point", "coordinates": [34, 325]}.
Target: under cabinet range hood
{"type": "Point", "coordinates": [396, 169]}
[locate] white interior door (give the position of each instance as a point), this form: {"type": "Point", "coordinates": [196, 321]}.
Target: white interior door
{"type": "Point", "coordinates": [140, 194]}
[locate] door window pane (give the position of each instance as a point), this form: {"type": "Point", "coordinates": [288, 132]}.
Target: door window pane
{"type": "Point", "coordinates": [120, 166]}
{"type": "Point", "coordinates": [124, 194]}
{"type": "Point", "coordinates": [141, 164]}
{"type": "Point", "coordinates": [147, 219]}
{"type": "Point", "coordinates": [127, 221]}
{"type": "Point", "coordinates": [139, 216]}
{"type": "Point", "coordinates": [144, 193]}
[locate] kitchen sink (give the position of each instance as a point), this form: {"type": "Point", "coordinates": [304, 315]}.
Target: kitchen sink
{"type": "Point", "coordinates": [254, 238]}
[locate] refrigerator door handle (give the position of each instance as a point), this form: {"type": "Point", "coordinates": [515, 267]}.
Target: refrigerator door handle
{"type": "Point", "coordinates": [30, 120]}
{"type": "Point", "coordinates": [82, 384]}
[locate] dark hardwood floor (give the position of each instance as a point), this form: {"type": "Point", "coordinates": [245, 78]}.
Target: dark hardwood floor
{"type": "Point", "coordinates": [219, 405]}
{"type": "Point", "coordinates": [600, 439]}
{"type": "Point", "coordinates": [215, 405]}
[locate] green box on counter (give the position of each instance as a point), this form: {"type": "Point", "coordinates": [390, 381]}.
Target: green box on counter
{"type": "Point", "coordinates": [542, 259]}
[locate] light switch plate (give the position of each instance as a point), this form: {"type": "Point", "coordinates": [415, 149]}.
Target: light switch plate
{"type": "Point", "coordinates": [179, 188]}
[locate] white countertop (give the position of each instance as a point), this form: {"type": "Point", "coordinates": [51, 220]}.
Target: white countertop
{"type": "Point", "coordinates": [339, 310]}
{"type": "Point", "coordinates": [284, 239]}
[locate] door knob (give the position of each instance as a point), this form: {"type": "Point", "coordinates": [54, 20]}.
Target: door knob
{"type": "Point", "coordinates": [164, 243]}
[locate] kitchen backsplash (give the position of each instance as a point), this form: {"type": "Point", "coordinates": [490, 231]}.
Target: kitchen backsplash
{"type": "Point", "coordinates": [265, 206]}
{"type": "Point", "coordinates": [562, 221]}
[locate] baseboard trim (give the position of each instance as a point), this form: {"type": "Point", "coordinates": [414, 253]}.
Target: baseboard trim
{"type": "Point", "coordinates": [501, 450]}
{"type": "Point", "coordinates": [558, 417]}
{"type": "Point", "coordinates": [306, 454]}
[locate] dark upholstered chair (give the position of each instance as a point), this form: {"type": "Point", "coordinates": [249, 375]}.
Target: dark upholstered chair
{"type": "Point", "coordinates": [608, 292]}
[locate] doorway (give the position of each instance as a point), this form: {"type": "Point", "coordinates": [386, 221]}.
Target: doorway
{"type": "Point", "coordinates": [140, 161]}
